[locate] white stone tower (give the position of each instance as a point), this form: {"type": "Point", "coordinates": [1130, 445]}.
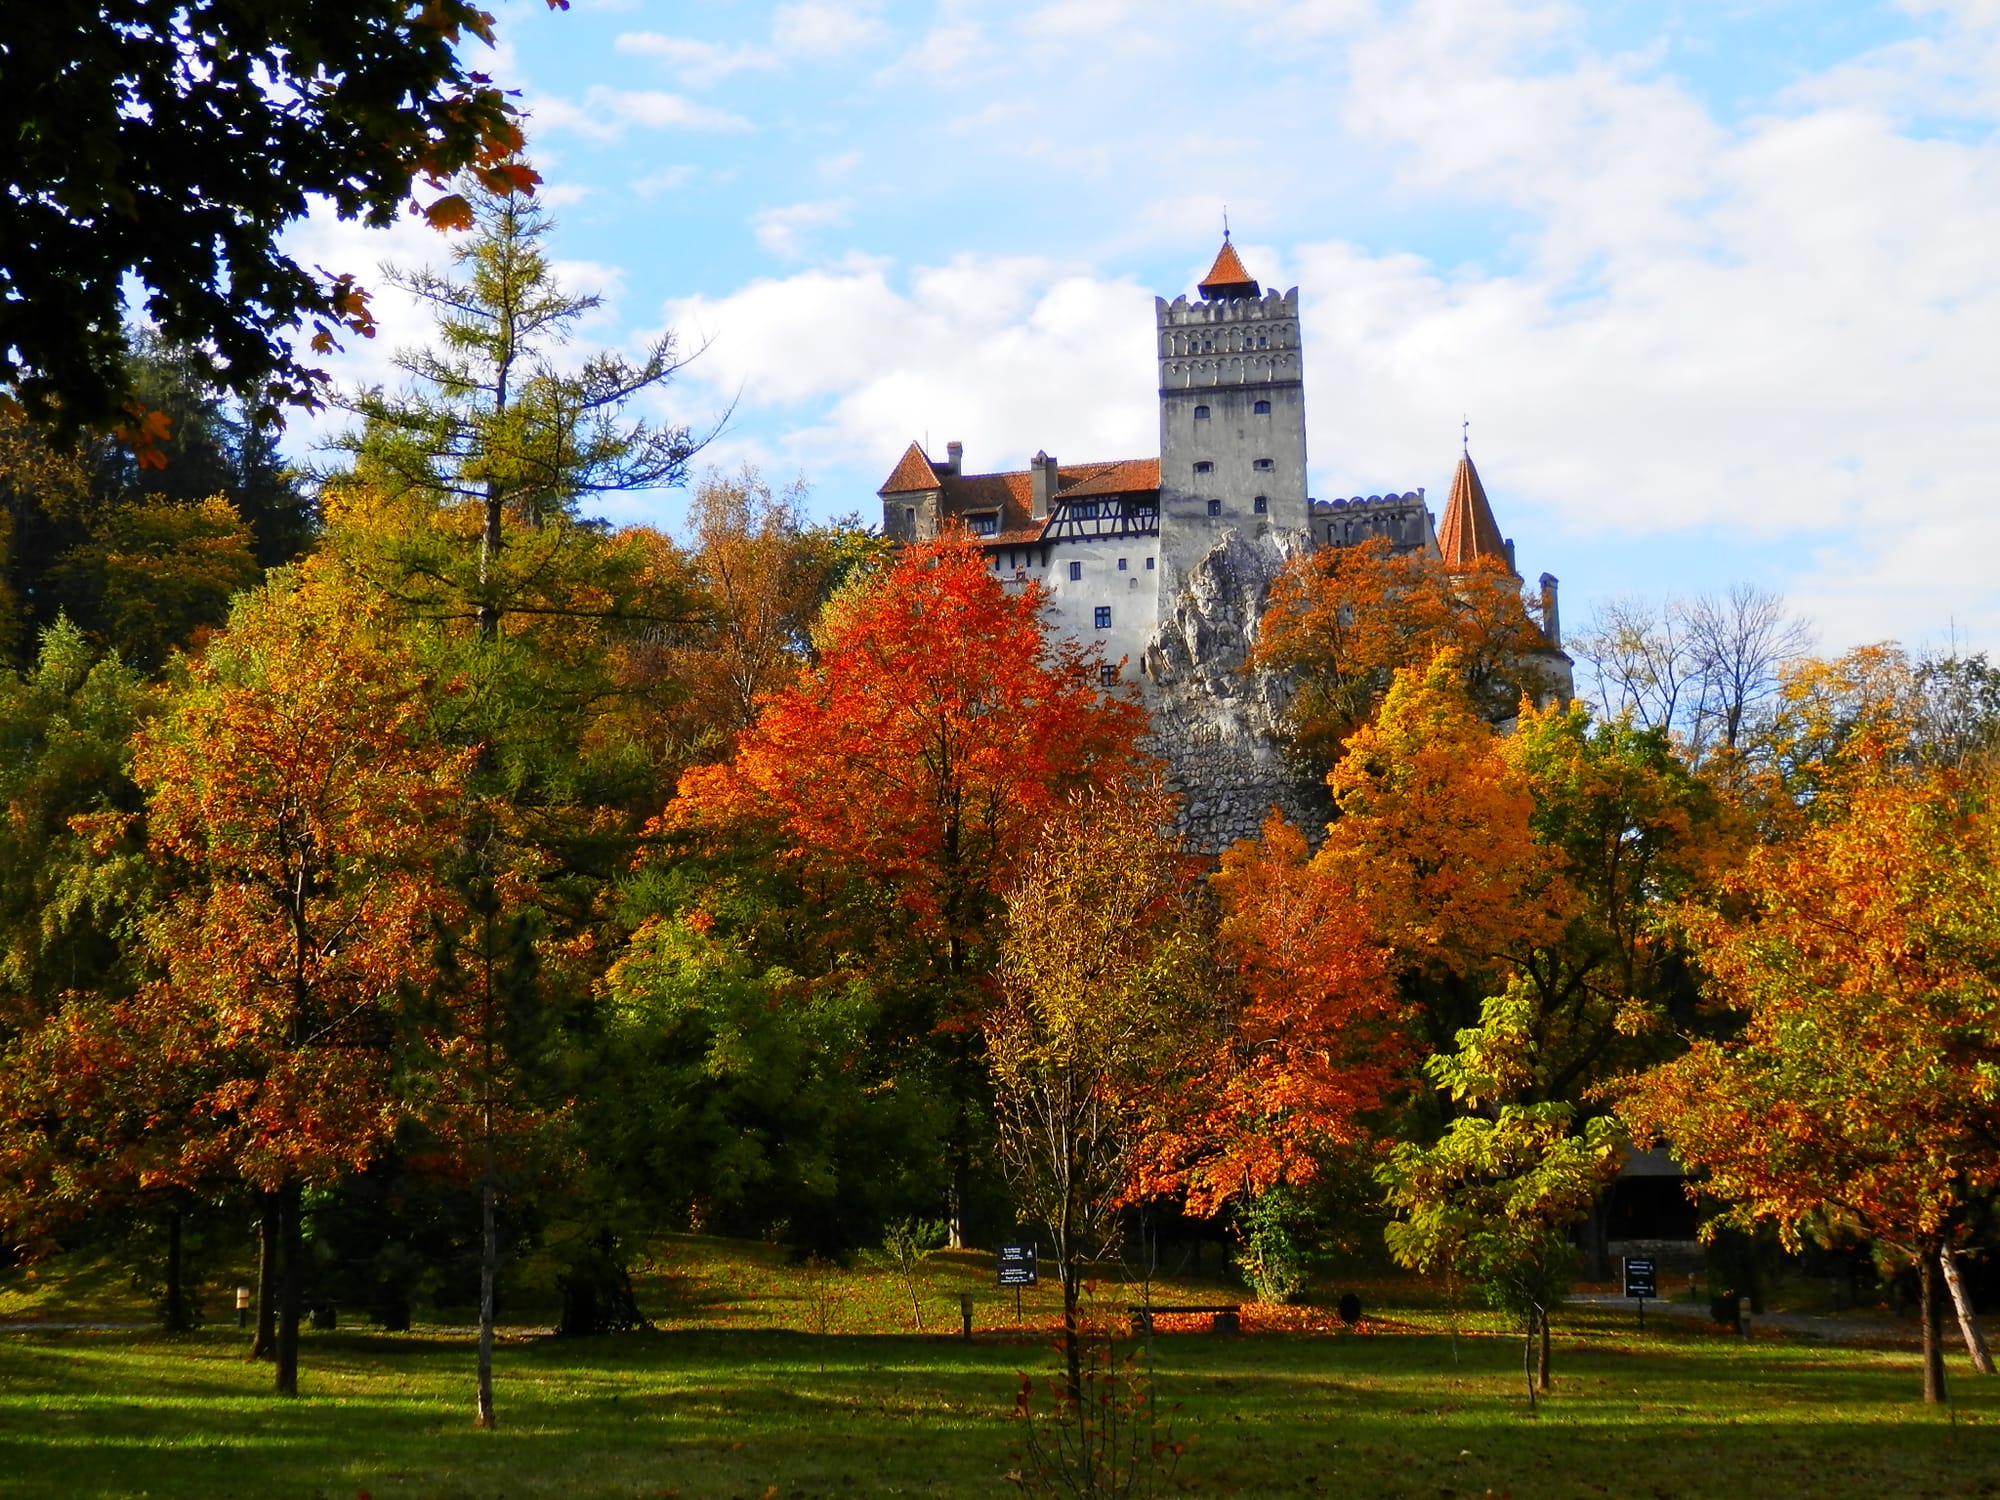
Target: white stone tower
{"type": "Point", "coordinates": [1232, 417]}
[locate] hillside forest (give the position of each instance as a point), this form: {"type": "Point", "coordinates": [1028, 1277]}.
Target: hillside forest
{"type": "Point", "coordinates": [451, 890]}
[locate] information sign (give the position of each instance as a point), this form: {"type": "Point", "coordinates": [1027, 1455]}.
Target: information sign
{"type": "Point", "coordinates": [1017, 1265]}
{"type": "Point", "coordinates": [1639, 1279]}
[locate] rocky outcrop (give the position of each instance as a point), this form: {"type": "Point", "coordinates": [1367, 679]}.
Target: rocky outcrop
{"type": "Point", "coordinates": [1215, 725]}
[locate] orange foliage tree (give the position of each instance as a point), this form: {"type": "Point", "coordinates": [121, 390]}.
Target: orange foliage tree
{"type": "Point", "coordinates": [940, 729]}
{"type": "Point", "coordinates": [904, 777]}
{"type": "Point", "coordinates": [303, 814]}
{"type": "Point", "coordinates": [1861, 955]}
{"type": "Point", "coordinates": [1313, 1041]}
{"type": "Point", "coordinates": [1342, 620]}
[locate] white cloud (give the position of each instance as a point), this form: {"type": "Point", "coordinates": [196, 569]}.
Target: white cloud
{"type": "Point", "coordinates": [1010, 355]}
{"type": "Point", "coordinates": [695, 62]}
{"type": "Point", "coordinates": [604, 113]}
{"type": "Point", "coordinates": [666, 180]}
{"type": "Point", "coordinates": [946, 51]}
{"type": "Point", "coordinates": [823, 28]}
{"type": "Point", "coordinates": [783, 231]}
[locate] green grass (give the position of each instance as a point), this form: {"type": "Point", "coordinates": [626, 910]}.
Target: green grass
{"type": "Point", "coordinates": [729, 1399]}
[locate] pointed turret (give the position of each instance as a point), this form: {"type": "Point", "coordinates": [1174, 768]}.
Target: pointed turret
{"type": "Point", "coordinates": [1227, 277]}
{"type": "Point", "coordinates": [1468, 530]}
{"type": "Point", "coordinates": [913, 471]}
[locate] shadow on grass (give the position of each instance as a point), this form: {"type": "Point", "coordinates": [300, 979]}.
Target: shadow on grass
{"type": "Point", "coordinates": [736, 1413]}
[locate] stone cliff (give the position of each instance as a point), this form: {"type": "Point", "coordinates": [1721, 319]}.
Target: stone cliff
{"type": "Point", "coordinates": [1215, 725]}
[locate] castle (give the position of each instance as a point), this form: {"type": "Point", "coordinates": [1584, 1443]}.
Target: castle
{"type": "Point", "coordinates": [1165, 563]}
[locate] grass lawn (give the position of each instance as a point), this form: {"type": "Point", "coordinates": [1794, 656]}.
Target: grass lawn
{"type": "Point", "coordinates": [729, 1398]}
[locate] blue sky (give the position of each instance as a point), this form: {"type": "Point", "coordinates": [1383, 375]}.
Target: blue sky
{"type": "Point", "coordinates": [1713, 280]}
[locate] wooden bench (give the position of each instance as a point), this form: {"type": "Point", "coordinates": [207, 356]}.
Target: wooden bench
{"type": "Point", "coordinates": [1224, 1316]}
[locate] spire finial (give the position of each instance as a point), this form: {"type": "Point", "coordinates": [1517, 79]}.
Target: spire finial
{"type": "Point", "coordinates": [1225, 221]}
{"type": "Point", "coordinates": [1465, 436]}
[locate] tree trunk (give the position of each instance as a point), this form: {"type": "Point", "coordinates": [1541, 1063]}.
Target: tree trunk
{"type": "Point", "coordinates": [1072, 1335]}
{"type": "Point", "coordinates": [264, 1343]}
{"type": "Point", "coordinates": [1931, 1280]}
{"type": "Point", "coordinates": [1975, 1342]}
{"type": "Point", "coordinates": [291, 1290]}
{"type": "Point", "coordinates": [1542, 1365]}
{"type": "Point", "coordinates": [177, 1317]}
{"type": "Point", "coordinates": [1528, 1365]}
{"type": "Point", "coordinates": [489, 1256]}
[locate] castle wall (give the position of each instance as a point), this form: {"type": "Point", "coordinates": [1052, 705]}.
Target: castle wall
{"type": "Point", "coordinates": [1119, 574]}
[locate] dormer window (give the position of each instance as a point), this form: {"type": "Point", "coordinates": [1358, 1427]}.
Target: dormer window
{"type": "Point", "coordinates": [985, 523]}
{"type": "Point", "coordinates": [1204, 467]}
{"type": "Point", "coordinates": [1262, 408]}
{"type": "Point", "coordinates": [1201, 414]}
{"type": "Point", "coordinates": [1263, 465]}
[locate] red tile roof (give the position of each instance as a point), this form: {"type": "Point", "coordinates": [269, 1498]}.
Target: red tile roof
{"type": "Point", "coordinates": [913, 471]}
{"type": "Point", "coordinates": [1468, 529]}
{"type": "Point", "coordinates": [1123, 476]}
{"type": "Point", "coordinates": [1227, 276]}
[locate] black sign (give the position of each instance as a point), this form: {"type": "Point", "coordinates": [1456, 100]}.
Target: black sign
{"type": "Point", "coordinates": [1639, 1281]}
{"type": "Point", "coordinates": [1017, 1265]}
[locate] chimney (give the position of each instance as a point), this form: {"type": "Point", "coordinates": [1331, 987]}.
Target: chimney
{"type": "Point", "coordinates": [1510, 558]}
{"type": "Point", "coordinates": [1042, 480]}
{"type": "Point", "coordinates": [954, 457]}
{"type": "Point", "coordinates": [1551, 621]}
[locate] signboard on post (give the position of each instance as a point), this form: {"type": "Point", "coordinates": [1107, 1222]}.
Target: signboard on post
{"type": "Point", "coordinates": [1641, 1282]}
{"type": "Point", "coordinates": [1017, 1265]}
{"type": "Point", "coordinates": [1639, 1279]}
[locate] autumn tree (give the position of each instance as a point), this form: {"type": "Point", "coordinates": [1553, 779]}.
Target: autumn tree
{"type": "Point", "coordinates": [1106, 1009]}
{"type": "Point", "coordinates": [1858, 951]}
{"type": "Point", "coordinates": [292, 783]}
{"type": "Point", "coordinates": [174, 147]}
{"type": "Point", "coordinates": [905, 777]}
{"type": "Point", "coordinates": [1342, 620]}
{"type": "Point", "coordinates": [1313, 1039]}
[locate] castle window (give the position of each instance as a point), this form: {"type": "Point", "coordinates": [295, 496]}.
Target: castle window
{"type": "Point", "coordinates": [1204, 467]}
{"type": "Point", "coordinates": [1149, 565]}
{"type": "Point", "coordinates": [1330, 529]}
{"type": "Point", "coordinates": [1263, 464]}
{"type": "Point", "coordinates": [1103, 617]}
{"type": "Point", "coordinates": [1262, 408]}
{"type": "Point", "coordinates": [1121, 564]}
{"type": "Point", "coordinates": [1259, 505]}
{"type": "Point", "coordinates": [1215, 507]}
{"type": "Point", "coordinates": [1262, 341]}
{"type": "Point", "coordinates": [986, 523]}
{"type": "Point", "coordinates": [1076, 572]}
{"type": "Point", "coordinates": [1107, 675]}
{"type": "Point", "coordinates": [910, 517]}
{"type": "Point", "coordinates": [1201, 414]}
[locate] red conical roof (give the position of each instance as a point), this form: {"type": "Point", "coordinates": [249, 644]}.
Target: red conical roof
{"type": "Point", "coordinates": [1227, 278]}
{"type": "Point", "coordinates": [1468, 530]}
{"type": "Point", "coordinates": [913, 471]}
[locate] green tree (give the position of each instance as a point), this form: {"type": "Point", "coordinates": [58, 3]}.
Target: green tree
{"type": "Point", "coordinates": [175, 144]}
{"type": "Point", "coordinates": [72, 876]}
{"type": "Point", "coordinates": [1493, 1200]}
{"type": "Point", "coordinates": [494, 430]}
